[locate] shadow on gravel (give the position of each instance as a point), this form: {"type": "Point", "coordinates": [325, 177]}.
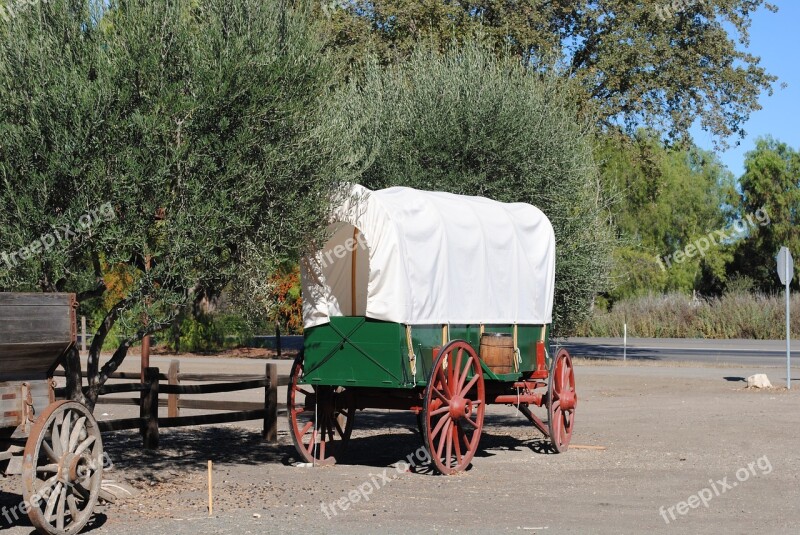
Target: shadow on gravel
{"type": "Point", "coordinates": [380, 439]}
{"type": "Point", "coordinates": [608, 352]}
{"type": "Point", "coordinates": [12, 515]}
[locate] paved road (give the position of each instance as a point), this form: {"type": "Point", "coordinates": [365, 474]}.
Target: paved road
{"type": "Point", "coordinates": [744, 352]}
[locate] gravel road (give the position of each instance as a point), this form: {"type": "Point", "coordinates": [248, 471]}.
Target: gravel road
{"type": "Point", "coordinates": [683, 442]}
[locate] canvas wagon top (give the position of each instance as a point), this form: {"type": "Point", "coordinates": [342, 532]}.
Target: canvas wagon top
{"type": "Point", "coordinates": [421, 258]}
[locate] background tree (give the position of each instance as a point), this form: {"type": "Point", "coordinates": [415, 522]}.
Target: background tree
{"type": "Point", "coordinates": [468, 122]}
{"type": "Point", "coordinates": [637, 63]}
{"type": "Point", "coordinates": [666, 198]}
{"type": "Point", "coordinates": [198, 124]}
{"type": "Point", "coordinates": [771, 182]}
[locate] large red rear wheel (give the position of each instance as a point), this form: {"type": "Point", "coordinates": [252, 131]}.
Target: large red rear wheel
{"type": "Point", "coordinates": [320, 418]}
{"type": "Point", "coordinates": [561, 401]}
{"type": "Point", "coordinates": [453, 408]}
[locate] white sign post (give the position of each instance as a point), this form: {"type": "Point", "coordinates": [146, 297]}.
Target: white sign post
{"type": "Point", "coordinates": [786, 273]}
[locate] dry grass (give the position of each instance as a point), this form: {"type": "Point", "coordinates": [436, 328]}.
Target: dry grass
{"type": "Point", "coordinates": [732, 316]}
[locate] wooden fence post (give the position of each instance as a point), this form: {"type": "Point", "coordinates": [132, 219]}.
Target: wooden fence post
{"type": "Point", "coordinates": [149, 409]}
{"type": "Point", "coordinates": [173, 407]}
{"type": "Point", "coordinates": [271, 404]}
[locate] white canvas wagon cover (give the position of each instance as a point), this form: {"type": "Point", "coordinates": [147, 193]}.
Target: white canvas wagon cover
{"type": "Point", "coordinates": [421, 257]}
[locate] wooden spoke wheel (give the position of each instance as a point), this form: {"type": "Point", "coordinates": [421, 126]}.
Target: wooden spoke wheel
{"type": "Point", "coordinates": [561, 401]}
{"type": "Point", "coordinates": [455, 401]}
{"type": "Point", "coordinates": [62, 469]}
{"type": "Point", "coordinates": [320, 418]}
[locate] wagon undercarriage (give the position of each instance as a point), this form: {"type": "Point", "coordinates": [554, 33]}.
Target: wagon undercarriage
{"type": "Point", "coordinates": [450, 409]}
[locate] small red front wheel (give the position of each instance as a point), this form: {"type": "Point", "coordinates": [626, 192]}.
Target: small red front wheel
{"type": "Point", "coordinates": [320, 418]}
{"type": "Point", "coordinates": [455, 401]}
{"type": "Point", "coordinates": [561, 401]}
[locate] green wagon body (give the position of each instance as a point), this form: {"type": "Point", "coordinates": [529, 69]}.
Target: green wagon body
{"type": "Point", "coordinates": [362, 352]}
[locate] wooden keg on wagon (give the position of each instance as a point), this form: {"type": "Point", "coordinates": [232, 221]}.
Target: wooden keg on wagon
{"type": "Point", "coordinates": [497, 351]}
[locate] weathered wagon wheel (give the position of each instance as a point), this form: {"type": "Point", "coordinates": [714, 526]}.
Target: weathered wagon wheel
{"type": "Point", "coordinates": [561, 401]}
{"type": "Point", "coordinates": [453, 408]}
{"type": "Point", "coordinates": [320, 438]}
{"type": "Point", "coordinates": [63, 468]}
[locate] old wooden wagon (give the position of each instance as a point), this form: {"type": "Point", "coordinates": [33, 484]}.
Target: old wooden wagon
{"type": "Point", "coordinates": [55, 446]}
{"type": "Point", "coordinates": [434, 303]}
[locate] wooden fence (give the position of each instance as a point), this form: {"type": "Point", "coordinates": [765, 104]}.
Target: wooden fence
{"type": "Point", "coordinates": [152, 388]}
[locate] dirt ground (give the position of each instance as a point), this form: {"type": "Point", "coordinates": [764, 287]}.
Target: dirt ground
{"type": "Point", "coordinates": [688, 450]}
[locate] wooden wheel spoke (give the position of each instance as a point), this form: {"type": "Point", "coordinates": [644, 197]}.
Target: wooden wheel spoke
{"type": "Point", "coordinates": [449, 445]}
{"type": "Point", "coordinates": [85, 445]}
{"type": "Point", "coordinates": [440, 410]}
{"type": "Point", "coordinates": [470, 422]}
{"type": "Point", "coordinates": [460, 387]}
{"type": "Point", "coordinates": [441, 396]}
{"type": "Point", "coordinates": [76, 433]}
{"type": "Point", "coordinates": [457, 368]}
{"type": "Point", "coordinates": [51, 468]}
{"type": "Point", "coordinates": [51, 502]}
{"type": "Point", "coordinates": [72, 503]}
{"type": "Point", "coordinates": [441, 423]}
{"type": "Point", "coordinates": [49, 452]}
{"type": "Point", "coordinates": [55, 438]}
{"type": "Point", "coordinates": [456, 443]}
{"type": "Point", "coordinates": [45, 484]}
{"type": "Point", "coordinates": [65, 432]}
{"type": "Point", "coordinates": [306, 428]}
{"type": "Point", "coordinates": [468, 387]}
{"type": "Point", "coordinates": [62, 501]}
{"type": "Point", "coordinates": [443, 438]}
{"type": "Point", "coordinates": [442, 381]}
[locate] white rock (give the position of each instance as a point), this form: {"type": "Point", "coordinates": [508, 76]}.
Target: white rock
{"type": "Point", "coordinates": [758, 380]}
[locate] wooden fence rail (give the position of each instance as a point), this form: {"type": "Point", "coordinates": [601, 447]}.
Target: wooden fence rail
{"type": "Point", "coordinates": [149, 402]}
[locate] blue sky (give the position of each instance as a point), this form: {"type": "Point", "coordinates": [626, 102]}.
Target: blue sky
{"type": "Point", "coordinates": [775, 38]}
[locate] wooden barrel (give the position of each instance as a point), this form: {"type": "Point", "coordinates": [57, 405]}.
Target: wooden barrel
{"type": "Point", "coordinates": [497, 351]}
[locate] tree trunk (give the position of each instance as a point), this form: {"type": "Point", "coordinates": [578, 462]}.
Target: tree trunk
{"type": "Point", "coordinates": [72, 368]}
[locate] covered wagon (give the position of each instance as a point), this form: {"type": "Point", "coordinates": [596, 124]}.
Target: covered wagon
{"type": "Point", "coordinates": [434, 303]}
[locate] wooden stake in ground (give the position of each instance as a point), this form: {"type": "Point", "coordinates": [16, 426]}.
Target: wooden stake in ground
{"type": "Point", "coordinates": [210, 492]}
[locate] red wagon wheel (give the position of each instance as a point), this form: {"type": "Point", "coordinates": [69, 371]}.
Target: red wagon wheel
{"type": "Point", "coordinates": [562, 400]}
{"type": "Point", "coordinates": [320, 418]}
{"type": "Point", "coordinates": [455, 401]}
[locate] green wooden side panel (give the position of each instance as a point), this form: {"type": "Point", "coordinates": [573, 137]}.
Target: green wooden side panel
{"type": "Point", "coordinates": [358, 351]}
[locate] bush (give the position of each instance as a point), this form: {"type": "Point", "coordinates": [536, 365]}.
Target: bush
{"type": "Point", "coordinates": [210, 332]}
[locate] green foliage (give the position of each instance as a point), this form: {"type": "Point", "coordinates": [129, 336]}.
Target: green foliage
{"type": "Point", "coordinates": [210, 332]}
{"type": "Point", "coordinates": [771, 183]}
{"type": "Point", "coordinates": [633, 61]}
{"type": "Point", "coordinates": [469, 123]}
{"type": "Point", "coordinates": [667, 199]}
{"type": "Point", "coordinates": [730, 316]}
{"type": "Point", "coordinates": [198, 122]}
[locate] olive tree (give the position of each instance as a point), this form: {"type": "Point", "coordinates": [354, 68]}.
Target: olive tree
{"type": "Point", "coordinates": [180, 143]}
{"type": "Point", "coordinates": [468, 122]}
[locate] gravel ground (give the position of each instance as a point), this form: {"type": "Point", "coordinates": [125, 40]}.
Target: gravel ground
{"type": "Point", "coordinates": [670, 433]}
